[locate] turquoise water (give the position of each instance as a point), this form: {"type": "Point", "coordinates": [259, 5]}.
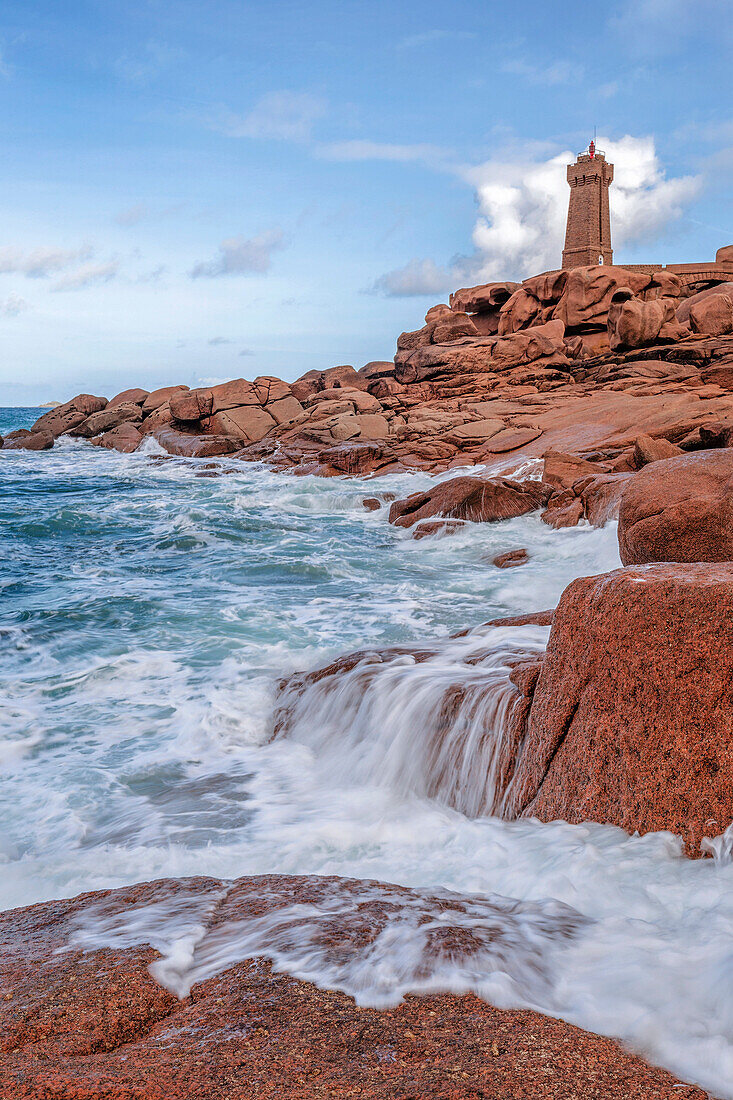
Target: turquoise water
{"type": "Point", "coordinates": [148, 608]}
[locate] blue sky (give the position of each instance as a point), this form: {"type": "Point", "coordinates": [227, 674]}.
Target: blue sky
{"type": "Point", "coordinates": [194, 190]}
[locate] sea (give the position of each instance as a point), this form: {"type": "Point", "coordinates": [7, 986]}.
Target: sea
{"type": "Point", "coordinates": [151, 609]}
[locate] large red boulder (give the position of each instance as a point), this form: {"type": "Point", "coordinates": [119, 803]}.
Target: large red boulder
{"type": "Point", "coordinates": [633, 322]}
{"type": "Point", "coordinates": [246, 423]}
{"type": "Point", "coordinates": [190, 405]}
{"type": "Point", "coordinates": [193, 446]}
{"type": "Point", "coordinates": [679, 509]}
{"type": "Point", "coordinates": [714, 316]}
{"type": "Point", "coordinates": [70, 415]}
{"type": "Point", "coordinates": [270, 388]}
{"type": "Point", "coordinates": [631, 718]}
{"type": "Point", "coordinates": [159, 418]}
{"type": "Point", "coordinates": [471, 498]}
{"type": "Point", "coordinates": [124, 438]}
{"type": "Point", "coordinates": [588, 291]}
{"type": "Point", "coordinates": [231, 395]}
{"type": "Point", "coordinates": [158, 398]}
{"type": "Point", "coordinates": [705, 313]}
{"type": "Point", "coordinates": [135, 396]}
{"type": "Point", "coordinates": [519, 312]}
{"type": "Point", "coordinates": [548, 287]}
{"type": "Point", "coordinates": [453, 326]}
{"type": "Point", "coordinates": [483, 298]}
{"type": "Point", "coordinates": [543, 344]}
{"type": "Point", "coordinates": [107, 419]}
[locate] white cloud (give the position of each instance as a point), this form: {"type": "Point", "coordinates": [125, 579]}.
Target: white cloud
{"type": "Point", "coordinates": [416, 278]}
{"type": "Point", "coordinates": [215, 341]}
{"type": "Point", "coordinates": [282, 116]}
{"type": "Point", "coordinates": [523, 208]}
{"type": "Point", "coordinates": [643, 201]}
{"type": "Point", "coordinates": [91, 274]}
{"type": "Point", "coordinates": [242, 256]}
{"type": "Point", "coordinates": [379, 150]}
{"type": "Point", "coordinates": [13, 305]}
{"type": "Point", "coordinates": [39, 263]}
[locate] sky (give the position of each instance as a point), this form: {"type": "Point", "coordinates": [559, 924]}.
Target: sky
{"type": "Point", "coordinates": [195, 190]}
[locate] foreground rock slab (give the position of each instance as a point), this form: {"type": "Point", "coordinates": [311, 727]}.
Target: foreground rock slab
{"type": "Point", "coordinates": [631, 719]}
{"type": "Point", "coordinates": [79, 1025]}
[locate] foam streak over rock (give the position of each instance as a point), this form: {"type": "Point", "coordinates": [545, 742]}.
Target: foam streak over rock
{"type": "Point", "coordinates": [665, 991]}
{"type": "Point", "coordinates": [439, 723]}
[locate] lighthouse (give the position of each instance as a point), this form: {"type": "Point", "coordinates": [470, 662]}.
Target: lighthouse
{"type": "Point", "coordinates": [588, 232]}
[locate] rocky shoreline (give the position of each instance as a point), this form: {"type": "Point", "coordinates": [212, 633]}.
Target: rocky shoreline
{"type": "Point", "coordinates": [588, 395]}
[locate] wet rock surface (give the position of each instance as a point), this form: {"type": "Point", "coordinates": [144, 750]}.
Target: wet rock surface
{"type": "Point", "coordinates": [24, 440]}
{"type": "Point", "coordinates": [91, 1023]}
{"type": "Point", "coordinates": [511, 558]}
{"type": "Point", "coordinates": [470, 498]}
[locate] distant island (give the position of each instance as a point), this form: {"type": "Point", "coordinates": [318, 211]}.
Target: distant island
{"type": "Point", "coordinates": [49, 405]}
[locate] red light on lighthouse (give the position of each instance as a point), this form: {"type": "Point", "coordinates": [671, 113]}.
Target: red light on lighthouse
{"type": "Point", "coordinates": [592, 150]}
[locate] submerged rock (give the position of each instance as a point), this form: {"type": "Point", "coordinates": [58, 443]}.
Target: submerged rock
{"type": "Point", "coordinates": [511, 558]}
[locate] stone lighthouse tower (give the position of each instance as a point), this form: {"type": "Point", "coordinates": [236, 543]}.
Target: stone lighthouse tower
{"type": "Point", "coordinates": [588, 233]}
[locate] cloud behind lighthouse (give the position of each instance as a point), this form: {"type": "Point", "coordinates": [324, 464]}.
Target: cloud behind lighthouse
{"type": "Point", "coordinates": [522, 209]}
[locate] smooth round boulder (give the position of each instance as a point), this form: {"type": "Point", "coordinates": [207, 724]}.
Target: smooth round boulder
{"type": "Point", "coordinates": [679, 510]}
{"type": "Point", "coordinates": [129, 397]}
{"type": "Point", "coordinates": [124, 438]}
{"type": "Point", "coordinates": [69, 415]}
